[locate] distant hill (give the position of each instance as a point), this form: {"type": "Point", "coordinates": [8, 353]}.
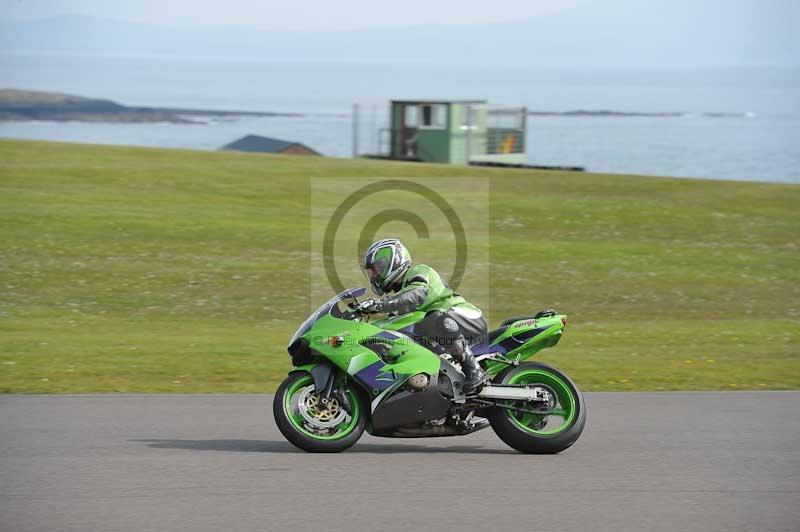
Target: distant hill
{"type": "Point", "coordinates": [18, 104]}
{"type": "Point", "coordinates": [609, 33]}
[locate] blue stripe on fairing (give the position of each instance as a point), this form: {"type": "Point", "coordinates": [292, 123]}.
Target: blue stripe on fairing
{"type": "Point", "coordinates": [409, 330]}
{"type": "Point", "coordinates": [373, 378]}
{"type": "Point", "coordinates": [482, 349]}
{"type": "Point", "coordinates": [527, 335]}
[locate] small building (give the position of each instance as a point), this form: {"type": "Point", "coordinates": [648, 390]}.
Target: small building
{"type": "Point", "coordinates": [456, 132]}
{"type": "Point", "coordinates": [259, 144]}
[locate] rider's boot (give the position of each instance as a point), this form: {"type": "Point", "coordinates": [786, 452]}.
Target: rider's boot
{"type": "Point", "coordinates": [475, 376]}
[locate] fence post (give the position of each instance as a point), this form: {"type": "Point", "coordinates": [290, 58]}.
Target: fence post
{"type": "Point", "coordinates": [524, 135]}
{"type": "Point", "coordinates": [355, 130]}
{"type": "Point", "coordinates": [469, 132]}
{"type": "Point", "coordinates": [374, 135]}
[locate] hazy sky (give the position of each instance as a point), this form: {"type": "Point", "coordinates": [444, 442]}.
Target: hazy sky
{"type": "Point", "coordinates": [562, 32]}
{"type": "Point", "coordinates": [291, 14]}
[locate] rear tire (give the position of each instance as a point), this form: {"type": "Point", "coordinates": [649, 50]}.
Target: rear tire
{"type": "Point", "coordinates": [530, 433]}
{"type": "Point", "coordinates": [297, 429]}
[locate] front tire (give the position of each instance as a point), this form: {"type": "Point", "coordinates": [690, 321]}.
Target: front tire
{"type": "Point", "coordinates": [311, 429]}
{"type": "Point", "coordinates": [540, 434]}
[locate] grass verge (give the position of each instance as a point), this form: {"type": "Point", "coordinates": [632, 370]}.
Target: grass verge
{"type": "Point", "coordinates": [143, 270]}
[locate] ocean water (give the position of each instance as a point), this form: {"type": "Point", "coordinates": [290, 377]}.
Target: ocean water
{"type": "Point", "coordinates": [758, 139]}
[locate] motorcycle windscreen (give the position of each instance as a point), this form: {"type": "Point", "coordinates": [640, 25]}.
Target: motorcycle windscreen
{"type": "Point", "coordinates": [324, 309]}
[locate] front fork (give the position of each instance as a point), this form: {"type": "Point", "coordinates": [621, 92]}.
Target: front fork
{"type": "Point", "coordinates": [328, 384]}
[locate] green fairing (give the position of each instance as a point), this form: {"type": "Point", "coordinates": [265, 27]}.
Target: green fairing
{"type": "Point", "coordinates": [352, 357]}
{"type": "Point", "coordinates": [396, 323]}
{"type": "Point", "coordinates": [547, 338]}
{"type": "Point", "coordinates": [410, 358]}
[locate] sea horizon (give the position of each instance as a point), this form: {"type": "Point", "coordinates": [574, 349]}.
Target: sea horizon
{"type": "Point", "coordinates": [725, 123]}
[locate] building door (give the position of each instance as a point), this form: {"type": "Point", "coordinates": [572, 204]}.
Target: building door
{"type": "Point", "coordinates": [408, 132]}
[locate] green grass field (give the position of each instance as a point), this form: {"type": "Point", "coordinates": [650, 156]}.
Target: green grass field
{"type": "Point", "coordinates": [144, 270]}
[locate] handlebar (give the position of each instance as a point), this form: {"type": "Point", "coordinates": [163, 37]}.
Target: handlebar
{"type": "Point", "coordinates": [353, 311]}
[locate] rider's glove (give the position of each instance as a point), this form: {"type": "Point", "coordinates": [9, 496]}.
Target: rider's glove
{"type": "Point", "coordinates": [371, 306]}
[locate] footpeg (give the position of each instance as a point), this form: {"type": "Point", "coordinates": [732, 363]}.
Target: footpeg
{"type": "Point", "coordinates": [475, 384]}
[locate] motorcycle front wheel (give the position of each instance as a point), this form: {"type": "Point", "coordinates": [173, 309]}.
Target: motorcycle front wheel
{"type": "Point", "coordinates": [311, 427]}
{"type": "Point", "coordinates": [549, 432]}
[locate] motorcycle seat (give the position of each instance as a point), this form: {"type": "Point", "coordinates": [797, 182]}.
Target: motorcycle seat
{"type": "Point", "coordinates": [541, 314]}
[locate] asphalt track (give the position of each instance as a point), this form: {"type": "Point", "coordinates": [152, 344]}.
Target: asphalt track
{"type": "Point", "coordinates": [667, 461]}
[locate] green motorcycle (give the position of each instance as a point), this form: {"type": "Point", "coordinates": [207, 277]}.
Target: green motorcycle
{"type": "Point", "coordinates": [351, 375]}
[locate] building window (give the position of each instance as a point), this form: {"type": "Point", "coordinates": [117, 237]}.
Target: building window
{"type": "Point", "coordinates": [410, 118]}
{"type": "Point", "coordinates": [433, 116]}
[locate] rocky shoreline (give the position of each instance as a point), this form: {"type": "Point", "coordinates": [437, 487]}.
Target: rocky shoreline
{"type": "Point", "coordinates": [19, 105]}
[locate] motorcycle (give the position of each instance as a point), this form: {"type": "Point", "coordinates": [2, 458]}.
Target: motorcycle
{"type": "Point", "coordinates": [352, 375]}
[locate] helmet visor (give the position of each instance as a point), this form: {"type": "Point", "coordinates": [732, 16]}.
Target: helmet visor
{"type": "Point", "coordinates": [376, 273]}
{"type": "Point", "coordinates": [373, 272]}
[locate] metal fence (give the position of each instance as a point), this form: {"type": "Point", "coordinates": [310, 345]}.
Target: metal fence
{"type": "Point", "coordinates": [371, 130]}
{"type": "Point", "coordinates": [505, 130]}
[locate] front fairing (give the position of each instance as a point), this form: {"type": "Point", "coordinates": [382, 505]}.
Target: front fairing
{"type": "Point", "coordinates": [355, 353]}
{"type": "Point", "coordinates": [380, 360]}
{"type": "Point", "coordinates": [375, 355]}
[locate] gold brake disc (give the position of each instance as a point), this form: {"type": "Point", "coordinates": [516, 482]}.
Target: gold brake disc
{"type": "Point", "coordinates": [316, 416]}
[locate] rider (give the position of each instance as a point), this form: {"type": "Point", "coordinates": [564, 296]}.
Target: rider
{"type": "Point", "coordinates": [451, 324]}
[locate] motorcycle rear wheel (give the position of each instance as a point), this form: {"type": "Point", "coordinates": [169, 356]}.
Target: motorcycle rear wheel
{"type": "Point", "coordinates": [534, 433]}
{"type": "Point", "coordinates": [310, 428]}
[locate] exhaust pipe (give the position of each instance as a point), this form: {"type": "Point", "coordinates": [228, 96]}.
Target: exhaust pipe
{"type": "Point", "coordinates": [429, 431]}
